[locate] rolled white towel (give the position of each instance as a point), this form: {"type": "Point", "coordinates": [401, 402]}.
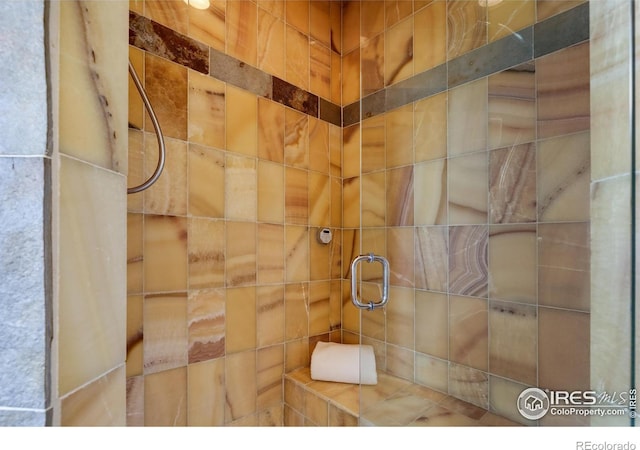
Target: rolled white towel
{"type": "Point", "coordinates": [344, 363]}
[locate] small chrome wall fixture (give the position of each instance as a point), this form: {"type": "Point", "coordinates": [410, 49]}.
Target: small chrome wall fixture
{"type": "Point", "coordinates": [324, 235]}
{"type": "Point", "coordinates": [354, 281]}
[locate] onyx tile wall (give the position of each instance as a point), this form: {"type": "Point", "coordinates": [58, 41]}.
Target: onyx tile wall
{"type": "Point", "coordinates": [227, 284]}
{"type": "Point", "coordinates": [475, 184]}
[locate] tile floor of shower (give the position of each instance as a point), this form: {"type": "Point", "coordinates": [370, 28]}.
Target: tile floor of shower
{"type": "Point", "coordinates": [391, 402]}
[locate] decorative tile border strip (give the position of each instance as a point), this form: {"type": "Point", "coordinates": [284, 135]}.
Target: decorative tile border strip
{"type": "Point", "coordinates": [555, 33]}
{"type": "Point", "coordinates": [558, 32]}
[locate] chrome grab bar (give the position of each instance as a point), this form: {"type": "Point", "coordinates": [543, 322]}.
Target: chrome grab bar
{"type": "Point", "coordinates": [385, 281]}
{"type": "Point", "coordinates": [161, 149]}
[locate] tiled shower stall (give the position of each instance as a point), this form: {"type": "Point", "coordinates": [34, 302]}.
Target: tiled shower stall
{"type": "Point", "coordinates": [483, 150]}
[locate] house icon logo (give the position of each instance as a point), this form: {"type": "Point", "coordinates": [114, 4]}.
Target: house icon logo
{"type": "Point", "coordinates": [533, 403]}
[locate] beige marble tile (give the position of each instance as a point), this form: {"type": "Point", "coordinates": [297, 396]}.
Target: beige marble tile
{"type": "Point", "coordinates": [432, 372]}
{"type": "Point", "coordinates": [469, 331]}
{"type": "Point", "coordinates": [242, 30]}
{"type": "Point", "coordinates": [508, 17]}
{"type": "Point", "coordinates": [296, 307]}
{"type": "Point", "coordinates": [432, 326]}
{"type": "Point", "coordinates": [468, 178]}
{"type": "Point", "coordinates": [297, 354]}
{"type": "Point", "coordinates": [135, 175]}
{"type": "Point", "coordinates": [296, 139]}
{"type": "Point", "coordinates": [336, 78]}
{"type": "Point", "coordinates": [563, 78]}
{"type": "Point", "coordinates": [468, 260]}
{"type": "Point", "coordinates": [400, 317]}
{"type": "Point", "coordinates": [564, 265]}
{"type": "Point", "coordinates": [432, 262]}
{"type": "Point", "coordinates": [271, 119]}
{"type": "Point", "coordinates": [241, 188]}
{"type": "Point", "coordinates": [372, 65]}
{"type": "Point", "coordinates": [396, 10]}
{"type": "Point", "coordinates": [92, 113]}
{"type": "Point", "coordinates": [270, 315]}
{"type": "Point", "coordinates": [512, 106]}
{"type": "Point", "coordinates": [135, 401]}
{"type": "Point", "coordinates": [164, 400]}
{"type": "Point", "coordinates": [165, 253]}
{"type": "Point", "coordinates": [430, 128]}
{"type": "Point", "coordinates": [167, 87]}
{"type": "Point", "coordinates": [207, 324]}
{"type": "Point", "coordinates": [512, 184]}
{"type": "Point", "coordinates": [430, 36]}
{"type": "Point", "coordinates": [351, 77]}
{"type": "Point", "coordinates": [241, 120]}
{"type": "Point", "coordinates": [297, 65]}
{"type": "Point", "coordinates": [438, 416]}
{"type": "Point", "coordinates": [134, 335]}
{"type": "Point", "coordinates": [563, 178]}
{"type": "Point", "coordinates": [398, 410]}
{"type": "Point", "coordinates": [296, 207]}
{"type": "Point", "coordinates": [467, 27]}
{"type": "Point", "coordinates": [372, 18]}
{"type": "Point", "coordinates": [467, 110]}
{"type": "Point", "coordinates": [270, 253]}
{"type": "Point", "coordinates": [271, 39]}
{"type": "Point", "coordinates": [503, 399]}
{"type": "Point", "coordinates": [563, 349]}
{"type": "Point", "coordinates": [209, 25]}
{"type": "Point", "coordinates": [319, 146]}
{"type": "Point", "coordinates": [136, 106]}
{"type": "Point", "coordinates": [99, 403]}
{"type": "Point", "coordinates": [470, 386]}
{"type": "Point", "coordinates": [272, 417]}
{"type": "Point", "coordinates": [168, 195]}
{"type": "Point", "coordinates": [169, 13]}
{"type": "Point", "coordinates": [430, 193]}
{"type": "Point", "coordinates": [609, 88]}
{"type": "Point", "coordinates": [398, 42]}
{"type": "Point", "coordinates": [350, 33]}
{"type": "Point", "coordinates": [134, 253]}
{"type": "Point", "coordinates": [336, 202]}
{"type": "Point", "coordinates": [319, 307]}
{"type": "Point", "coordinates": [611, 278]}
{"type": "Point", "coordinates": [351, 151]}
{"type": "Point", "coordinates": [241, 384]}
{"type": "Point", "coordinates": [400, 362]}
{"type": "Point", "coordinates": [373, 143]}
{"type": "Point", "coordinates": [91, 275]}
{"type": "Point", "coordinates": [240, 254]}
{"type": "Point", "coordinates": [206, 167]}
{"type": "Point", "coordinates": [400, 196]}
{"type": "Point", "coordinates": [206, 249]}
{"type": "Point", "coordinates": [206, 394]}
{"type": "Point", "coordinates": [206, 124]}
{"type": "Point", "coordinates": [165, 332]}
{"type": "Point", "coordinates": [296, 253]}
{"type": "Point", "coordinates": [319, 69]}
{"type": "Point", "coordinates": [399, 136]}
{"type": "Point", "coordinates": [373, 200]}
{"type": "Point", "coordinates": [320, 21]}
{"type": "Point", "coordinates": [400, 253]}
{"type": "Point", "coordinates": [548, 8]}
{"type": "Point", "coordinates": [240, 316]}
{"type": "Point", "coordinates": [297, 14]}
{"type": "Point", "coordinates": [513, 271]}
{"type": "Point", "coordinates": [270, 192]}
{"type": "Point", "coordinates": [513, 341]}
{"type": "Point", "coordinates": [269, 366]}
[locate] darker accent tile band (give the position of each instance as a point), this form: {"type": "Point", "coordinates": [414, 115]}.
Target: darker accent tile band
{"type": "Point", "coordinates": [351, 114]}
{"type": "Point", "coordinates": [419, 86]}
{"type": "Point", "coordinates": [507, 52]}
{"type": "Point", "coordinates": [561, 31]}
{"type": "Point", "coordinates": [166, 43]}
{"type": "Point", "coordinates": [330, 112]}
{"type": "Point", "coordinates": [294, 97]}
{"type": "Point", "coordinates": [374, 104]}
{"type": "Point", "coordinates": [231, 70]}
